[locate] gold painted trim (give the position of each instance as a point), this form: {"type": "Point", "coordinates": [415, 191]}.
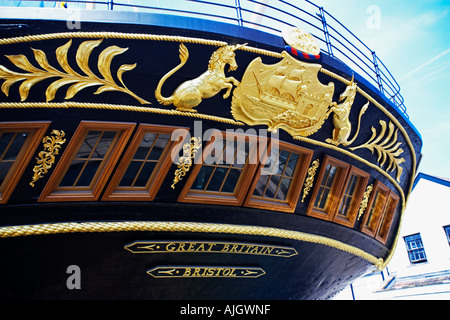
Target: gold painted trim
{"type": "Point", "coordinates": [46, 158]}
{"type": "Point", "coordinates": [108, 106]}
{"type": "Point", "coordinates": [365, 201]}
{"type": "Point", "coordinates": [185, 162]}
{"type": "Point", "coordinates": [163, 226]}
{"type": "Point", "coordinates": [310, 180]}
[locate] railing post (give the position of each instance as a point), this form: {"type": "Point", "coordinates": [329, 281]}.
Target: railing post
{"type": "Point", "coordinates": [325, 31]}
{"type": "Point", "coordinates": [239, 12]}
{"type": "Point", "coordinates": [377, 71]}
{"type": "Point", "coordinates": [110, 4]}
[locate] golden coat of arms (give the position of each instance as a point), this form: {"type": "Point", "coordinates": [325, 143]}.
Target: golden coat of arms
{"type": "Point", "coordinates": [286, 95]}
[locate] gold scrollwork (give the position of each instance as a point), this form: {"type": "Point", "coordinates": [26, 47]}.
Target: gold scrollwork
{"type": "Point", "coordinates": [68, 76]}
{"type": "Point", "coordinates": [365, 200]}
{"type": "Point", "coordinates": [46, 158]}
{"type": "Point", "coordinates": [386, 149]}
{"type": "Point", "coordinates": [185, 162]}
{"type": "Point", "coordinates": [310, 179]}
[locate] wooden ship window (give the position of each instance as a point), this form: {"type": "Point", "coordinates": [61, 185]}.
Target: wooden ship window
{"type": "Point", "coordinates": [380, 212]}
{"type": "Point", "coordinates": [350, 200]}
{"type": "Point", "coordinates": [278, 187]}
{"type": "Point", "coordinates": [229, 162]}
{"type": "Point", "coordinates": [18, 142]}
{"type": "Point", "coordinates": [331, 179]}
{"type": "Point", "coordinates": [87, 163]}
{"type": "Point", "coordinates": [388, 216]}
{"type": "Point", "coordinates": [144, 164]}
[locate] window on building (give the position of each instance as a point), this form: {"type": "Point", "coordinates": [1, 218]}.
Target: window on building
{"type": "Point", "coordinates": [415, 248]}
{"type": "Point", "coordinates": [87, 163]}
{"type": "Point", "coordinates": [226, 172]}
{"type": "Point", "coordinates": [144, 164]}
{"type": "Point", "coordinates": [277, 184]}
{"type": "Point", "coordinates": [447, 233]}
{"type": "Point", "coordinates": [18, 142]}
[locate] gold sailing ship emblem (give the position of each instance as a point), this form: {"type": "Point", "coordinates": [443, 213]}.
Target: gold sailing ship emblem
{"type": "Point", "coordinates": [286, 95]}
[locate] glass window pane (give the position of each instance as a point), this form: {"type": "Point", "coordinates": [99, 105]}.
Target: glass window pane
{"type": "Point", "coordinates": [130, 173]}
{"type": "Point", "coordinates": [88, 173]}
{"type": "Point", "coordinates": [4, 168]}
{"type": "Point", "coordinates": [261, 185]}
{"type": "Point", "coordinates": [88, 144]}
{"type": "Point", "coordinates": [272, 187]}
{"type": "Point", "coordinates": [231, 181]}
{"type": "Point", "coordinates": [216, 181]}
{"type": "Point", "coordinates": [145, 145]}
{"type": "Point", "coordinates": [15, 146]}
{"type": "Point", "coordinates": [202, 178]}
{"type": "Point", "coordinates": [145, 174]}
{"type": "Point", "coordinates": [72, 173]}
{"type": "Point", "coordinates": [104, 144]}
{"type": "Point", "coordinates": [291, 165]}
{"type": "Point", "coordinates": [159, 147]}
{"type": "Point", "coordinates": [284, 188]}
{"type": "Point", "coordinates": [5, 139]}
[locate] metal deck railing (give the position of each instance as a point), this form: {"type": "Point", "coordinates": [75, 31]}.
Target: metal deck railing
{"type": "Point", "coordinates": [270, 16]}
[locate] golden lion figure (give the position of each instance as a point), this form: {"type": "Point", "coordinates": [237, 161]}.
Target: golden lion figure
{"type": "Point", "coordinates": [341, 121]}
{"type": "Point", "coordinates": [191, 93]}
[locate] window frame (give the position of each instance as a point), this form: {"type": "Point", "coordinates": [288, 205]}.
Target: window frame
{"type": "Point", "coordinates": [375, 232]}
{"type": "Point", "coordinates": [447, 233]}
{"type": "Point", "coordinates": [37, 130]}
{"type": "Point", "coordinates": [295, 188]}
{"type": "Point", "coordinates": [350, 219]}
{"type": "Point", "coordinates": [50, 194]}
{"type": "Point", "coordinates": [422, 248]}
{"type": "Point", "coordinates": [222, 198]}
{"type": "Point", "coordinates": [112, 193]}
{"type": "Point", "coordinates": [387, 217]}
{"type": "Point", "coordinates": [335, 192]}
{"type": "Point", "coordinates": [368, 230]}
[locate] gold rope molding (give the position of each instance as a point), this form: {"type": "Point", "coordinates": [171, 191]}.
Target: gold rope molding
{"type": "Point", "coordinates": [162, 226]}
{"type": "Point", "coordinates": [107, 106]}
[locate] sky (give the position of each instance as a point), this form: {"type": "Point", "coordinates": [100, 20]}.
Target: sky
{"type": "Point", "coordinates": [413, 41]}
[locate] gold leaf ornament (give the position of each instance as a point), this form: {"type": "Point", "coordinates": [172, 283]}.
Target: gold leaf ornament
{"type": "Point", "coordinates": [387, 148]}
{"type": "Point", "coordinates": [46, 158]}
{"type": "Point", "coordinates": [69, 75]}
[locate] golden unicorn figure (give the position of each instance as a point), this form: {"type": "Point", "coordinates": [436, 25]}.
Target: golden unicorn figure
{"type": "Point", "coordinates": [341, 121]}
{"type": "Point", "coordinates": [191, 93]}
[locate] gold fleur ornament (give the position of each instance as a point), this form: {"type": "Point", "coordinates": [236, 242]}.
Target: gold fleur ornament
{"type": "Point", "coordinates": [46, 158]}
{"type": "Point", "coordinates": [68, 76]}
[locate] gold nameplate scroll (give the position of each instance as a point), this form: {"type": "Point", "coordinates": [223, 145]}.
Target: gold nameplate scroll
{"type": "Point", "coordinates": [209, 247]}
{"type": "Point", "coordinates": [205, 272]}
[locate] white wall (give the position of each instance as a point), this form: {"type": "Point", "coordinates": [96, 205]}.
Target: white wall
{"type": "Point", "coordinates": [427, 212]}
